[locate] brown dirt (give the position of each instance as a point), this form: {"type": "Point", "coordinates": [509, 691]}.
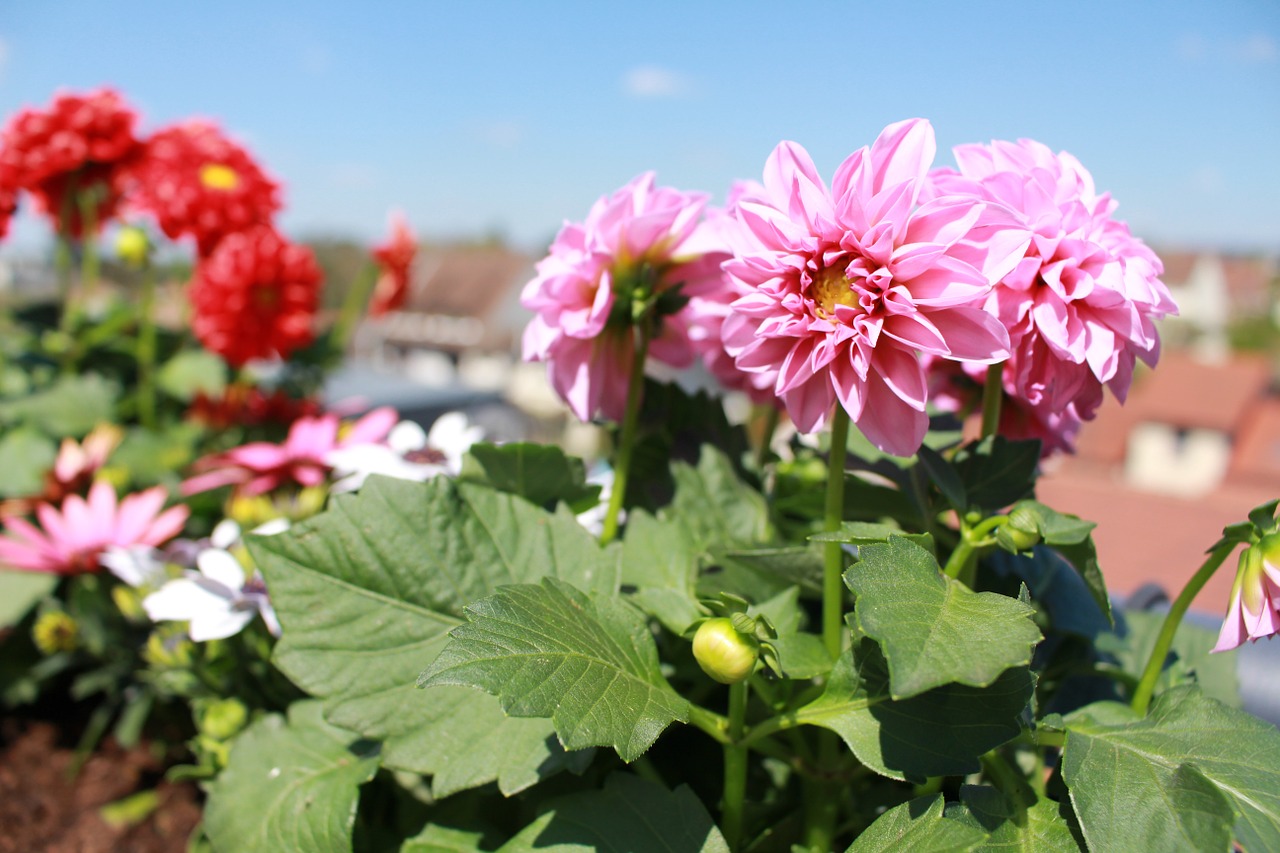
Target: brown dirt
{"type": "Point", "coordinates": [43, 808]}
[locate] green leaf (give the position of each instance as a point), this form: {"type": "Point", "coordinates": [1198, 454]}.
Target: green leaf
{"type": "Point", "coordinates": [1263, 517]}
{"type": "Point", "coordinates": [921, 827]}
{"type": "Point", "coordinates": [26, 455]}
{"type": "Point", "coordinates": [550, 651]}
{"type": "Point", "coordinates": [154, 457]}
{"type": "Point", "coordinates": [791, 564]}
{"type": "Point", "coordinates": [1182, 778]}
{"type": "Point", "coordinates": [1039, 828]}
{"type": "Point", "coordinates": [628, 815]}
{"type": "Point", "coordinates": [1056, 528]}
{"type": "Point", "coordinates": [72, 406]}
{"type": "Point", "coordinates": [997, 471]}
{"type": "Point", "coordinates": [541, 474]}
{"type": "Point", "coordinates": [867, 533]}
{"type": "Point", "coordinates": [444, 839]}
{"type": "Point", "coordinates": [289, 785]}
{"type": "Point", "coordinates": [939, 733]}
{"type": "Point", "coordinates": [20, 591]}
{"type": "Point", "coordinates": [368, 591]}
{"type": "Point", "coordinates": [191, 372]}
{"type": "Point", "coordinates": [802, 656]}
{"type": "Point", "coordinates": [1084, 557]}
{"type": "Point", "coordinates": [945, 476]}
{"type": "Point", "coordinates": [718, 508]}
{"type": "Point", "coordinates": [933, 629]}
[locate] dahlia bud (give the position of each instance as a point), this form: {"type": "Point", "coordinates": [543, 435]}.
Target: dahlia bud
{"type": "Point", "coordinates": [725, 653]}
{"type": "Point", "coordinates": [221, 719]}
{"type": "Point", "coordinates": [54, 632]}
{"type": "Point", "coordinates": [132, 246]}
{"type": "Point", "coordinates": [1021, 533]}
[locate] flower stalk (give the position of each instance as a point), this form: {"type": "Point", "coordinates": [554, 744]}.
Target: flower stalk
{"type": "Point", "coordinates": [992, 393]}
{"type": "Point", "coordinates": [627, 436]}
{"type": "Point", "coordinates": [833, 552]}
{"type": "Point", "coordinates": [354, 307]}
{"type": "Point", "coordinates": [1155, 664]}
{"type": "Point", "coordinates": [735, 768]}
{"type": "Point", "coordinates": [147, 348]}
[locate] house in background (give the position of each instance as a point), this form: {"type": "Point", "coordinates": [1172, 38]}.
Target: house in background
{"type": "Point", "coordinates": [1216, 293]}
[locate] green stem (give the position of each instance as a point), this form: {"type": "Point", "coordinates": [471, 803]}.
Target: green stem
{"type": "Point", "coordinates": [627, 436]}
{"type": "Point", "coordinates": [833, 552]}
{"type": "Point", "coordinates": [88, 202]}
{"type": "Point", "coordinates": [353, 308]}
{"type": "Point", "coordinates": [1010, 782]}
{"type": "Point", "coordinates": [992, 392]}
{"type": "Point", "coordinates": [710, 722]}
{"type": "Point", "coordinates": [147, 349]}
{"type": "Point", "coordinates": [771, 414]}
{"type": "Point", "coordinates": [735, 768]}
{"type": "Point", "coordinates": [972, 539]}
{"type": "Point", "coordinates": [1155, 663]}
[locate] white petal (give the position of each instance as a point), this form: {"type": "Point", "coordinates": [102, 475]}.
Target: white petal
{"type": "Point", "coordinates": [406, 437]}
{"type": "Point", "coordinates": [225, 535]}
{"type": "Point", "coordinates": [184, 599]}
{"type": "Point", "coordinates": [269, 616]}
{"type": "Point", "coordinates": [221, 624]}
{"type": "Point", "coordinates": [271, 528]}
{"type": "Point", "coordinates": [137, 566]}
{"type": "Point", "coordinates": [222, 568]}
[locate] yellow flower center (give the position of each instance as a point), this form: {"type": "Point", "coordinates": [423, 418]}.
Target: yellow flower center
{"type": "Point", "coordinates": [216, 176]}
{"type": "Point", "coordinates": [831, 287]}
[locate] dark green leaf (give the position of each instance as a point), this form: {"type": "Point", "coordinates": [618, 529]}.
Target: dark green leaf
{"type": "Point", "coordinates": [939, 733]}
{"type": "Point", "coordinates": [997, 471]}
{"type": "Point", "coordinates": [1039, 828]}
{"type": "Point", "coordinates": [1191, 660]}
{"type": "Point", "coordinates": [550, 651]}
{"type": "Point", "coordinates": [866, 533]}
{"type": "Point", "coordinates": [1264, 517]}
{"type": "Point", "coordinates": [921, 827]}
{"type": "Point", "coordinates": [1057, 587]}
{"type": "Point", "coordinates": [541, 474]}
{"type": "Point", "coordinates": [290, 785]}
{"type": "Point", "coordinates": [629, 815]}
{"type": "Point", "coordinates": [444, 839]}
{"type": "Point", "coordinates": [1185, 777]}
{"type": "Point", "coordinates": [791, 564]}
{"type": "Point", "coordinates": [934, 630]}
{"type": "Point", "coordinates": [1084, 557]}
{"type": "Point", "coordinates": [945, 476]}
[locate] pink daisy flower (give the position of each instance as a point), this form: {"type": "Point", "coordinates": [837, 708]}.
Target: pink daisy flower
{"type": "Point", "coordinates": [639, 243]}
{"type": "Point", "coordinates": [1254, 612]}
{"type": "Point", "coordinates": [261, 466]}
{"type": "Point", "coordinates": [75, 535]}
{"type": "Point", "coordinates": [1080, 305]}
{"type": "Point", "coordinates": [842, 288]}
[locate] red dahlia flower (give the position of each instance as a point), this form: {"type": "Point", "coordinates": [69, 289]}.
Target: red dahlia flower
{"type": "Point", "coordinates": [395, 257]}
{"type": "Point", "coordinates": [197, 182]}
{"type": "Point", "coordinates": [81, 143]}
{"type": "Point", "coordinates": [255, 296]}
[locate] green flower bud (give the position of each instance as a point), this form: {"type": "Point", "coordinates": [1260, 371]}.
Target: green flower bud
{"type": "Point", "coordinates": [221, 719]}
{"type": "Point", "coordinates": [1021, 533]}
{"type": "Point", "coordinates": [723, 652]}
{"type": "Point", "coordinates": [55, 631]}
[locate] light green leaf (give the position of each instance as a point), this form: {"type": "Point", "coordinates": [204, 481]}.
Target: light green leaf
{"type": "Point", "coordinates": [290, 785]}
{"type": "Point", "coordinates": [550, 651]}
{"type": "Point", "coordinates": [1185, 777]}
{"type": "Point", "coordinates": [867, 532]}
{"type": "Point", "coordinates": [793, 564]}
{"type": "Point", "coordinates": [72, 406]}
{"type": "Point", "coordinates": [1039, 828]}
{"type": "Point", "coordinates": [26, 455]}
{"type": "Point", "coordinates": [1192, 661]}
{"type": "Point", "coordinates": [444, 839]}
{"type": "Point", "coordinates": [368, 591]}
{"type": "Point", "coordinates": [541, 474]}
{"type": "Point", "coordinates": [191, 372]}
{"type": "Point", "coordinates": [934, 630]}
{"type": "Point", "coordinates": [718, 508]}
{"type": "Point", "coordinates": [628, 815]}
{"type": "Point", "coordinates": [939, 733]}
{"type": "Point", "coordinates": [20, 591]}
{"type": "Point", "coordinates": [921, 827]}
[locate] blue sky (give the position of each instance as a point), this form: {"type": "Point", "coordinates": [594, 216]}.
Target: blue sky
{"type": "Point", "coordinates": [483, 117]}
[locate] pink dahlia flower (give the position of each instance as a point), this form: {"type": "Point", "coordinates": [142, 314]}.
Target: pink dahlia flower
{"type": "Point", "coordinates": [75, 536]}
{"type": "Point", "coordinates": [1080, 305]}
{"type": "Point", "coordinates": [640, 242]}
{"type": "Point", "coordinates": [842, 288]}
{"type": "Point", "coordinates": [261, 466]}
{"type": "Point", "coordinates": [1254, 612]}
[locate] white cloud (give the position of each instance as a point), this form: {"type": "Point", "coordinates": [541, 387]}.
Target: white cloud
{"type": "Point", "coordinates": [1251, 49]}
{"type": "Point", "coordinates": [651, 81]}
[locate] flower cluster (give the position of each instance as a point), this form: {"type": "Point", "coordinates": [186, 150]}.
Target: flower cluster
{"type": "Point", "coordinates": [71, 157]}
{"type": "Point", "coordinates": [395, 261]}
{"type": "Point", "coordinates": [894, 286]}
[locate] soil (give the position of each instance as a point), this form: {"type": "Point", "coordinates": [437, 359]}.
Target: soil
{"type": "Point", "coordinates": [43, 807]}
